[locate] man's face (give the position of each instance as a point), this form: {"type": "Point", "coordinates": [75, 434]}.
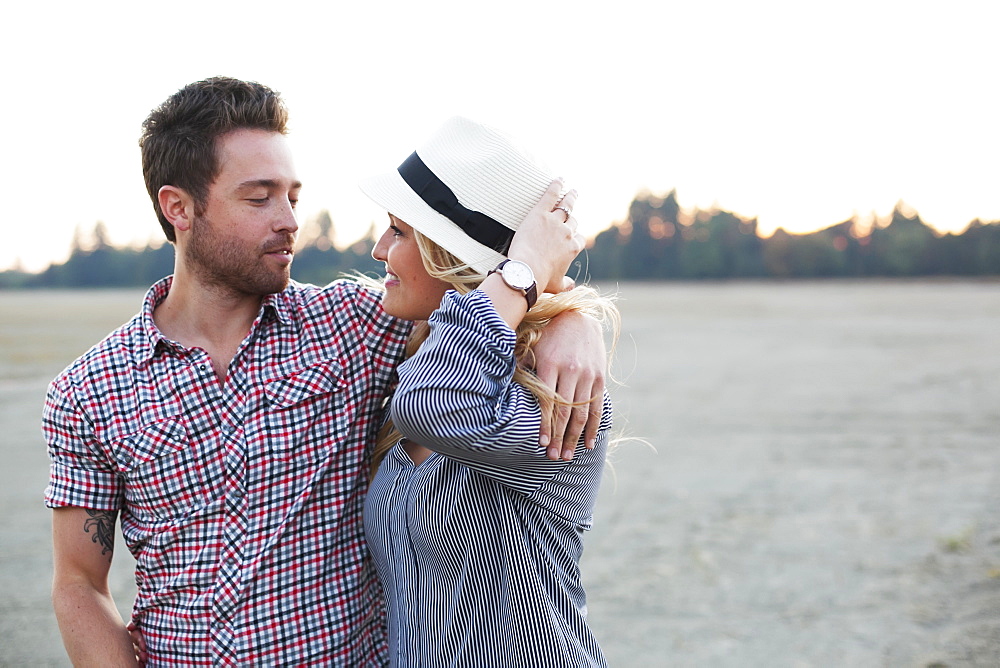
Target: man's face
{"type": "Point", "coordinates": [244, 240]}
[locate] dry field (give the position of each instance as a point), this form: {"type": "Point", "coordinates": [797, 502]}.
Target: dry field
{"type": "Point", "coordinates": [821, 485]}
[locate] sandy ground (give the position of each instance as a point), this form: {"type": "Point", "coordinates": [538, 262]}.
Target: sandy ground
{"type": "Point", "coordinates": [824, 489]}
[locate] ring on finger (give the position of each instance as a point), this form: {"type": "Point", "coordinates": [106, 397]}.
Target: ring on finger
{"type": "Point", "coordinates": [565, 210]}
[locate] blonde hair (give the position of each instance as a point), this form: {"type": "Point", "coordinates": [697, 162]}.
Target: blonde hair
{"type": "Point", "coordinates": [462, 278]}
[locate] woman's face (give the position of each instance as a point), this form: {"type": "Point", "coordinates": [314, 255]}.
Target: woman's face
{"type": "Point", "coordinates": [410, 292]}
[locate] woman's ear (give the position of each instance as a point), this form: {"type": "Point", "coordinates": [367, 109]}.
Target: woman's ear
{"type": "Point", "coordinates": [177, 207]}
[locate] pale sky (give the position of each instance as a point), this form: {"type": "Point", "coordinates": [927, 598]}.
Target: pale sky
{"type": "Point", "coordinates": [801, 114]}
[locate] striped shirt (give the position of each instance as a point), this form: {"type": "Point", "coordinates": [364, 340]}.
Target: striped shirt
{"type": "Point", "coordinates": [241, 501]}
{"type": "Point", "coordinates": [478, 547]}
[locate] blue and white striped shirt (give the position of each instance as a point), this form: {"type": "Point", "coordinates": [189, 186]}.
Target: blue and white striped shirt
{"type": "Point", "coordinates": [478, 547]}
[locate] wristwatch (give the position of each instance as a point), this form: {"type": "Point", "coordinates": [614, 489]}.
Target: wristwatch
{"type": "Point", "coordinates": [518, 276]}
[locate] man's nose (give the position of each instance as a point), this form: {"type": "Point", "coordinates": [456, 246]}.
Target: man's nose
{"type": "Point", "coordinates": [287, 219]}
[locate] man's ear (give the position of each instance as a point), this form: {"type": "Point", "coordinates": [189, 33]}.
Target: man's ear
{"type": "Point", "coordinates": [177, 207]}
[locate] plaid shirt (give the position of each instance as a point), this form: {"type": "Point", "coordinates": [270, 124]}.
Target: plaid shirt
{"type": "Point", "coordinates": [241, 501]}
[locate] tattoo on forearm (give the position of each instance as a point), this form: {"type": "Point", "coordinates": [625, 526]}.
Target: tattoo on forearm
{"type": "Point", "coordinates": [103, 524]}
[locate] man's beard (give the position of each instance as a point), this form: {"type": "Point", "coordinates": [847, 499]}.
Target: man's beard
{"type": "Point", "coordinates": [232, 266]}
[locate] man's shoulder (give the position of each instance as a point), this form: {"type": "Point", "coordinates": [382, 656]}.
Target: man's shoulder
{"type": "Point", "coordinates": [338, 289]}
{"type": "Point", "coordinates": [119, 349]}
{"type": "Point", "coordinates": [344, 297]}
{"type": "Point", "coordinates": [344, 319]}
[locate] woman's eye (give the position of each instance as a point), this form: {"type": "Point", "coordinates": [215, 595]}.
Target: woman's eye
{"type": "Point", "coordinates": [396, 232]}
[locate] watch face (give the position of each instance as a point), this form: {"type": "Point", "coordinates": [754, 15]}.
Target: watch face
{"type": "Point", "coordinates": [518, 275]}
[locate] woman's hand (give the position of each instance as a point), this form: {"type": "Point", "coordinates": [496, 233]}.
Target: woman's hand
{"type": "Point", "coordinates": [547, 240]}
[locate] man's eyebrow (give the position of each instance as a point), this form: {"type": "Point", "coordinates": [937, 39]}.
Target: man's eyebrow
{"type": "Point", "coordinates": [265, 183]}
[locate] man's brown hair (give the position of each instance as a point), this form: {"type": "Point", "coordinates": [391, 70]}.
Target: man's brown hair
{"type": "Point", "coordinates": [179, 137]}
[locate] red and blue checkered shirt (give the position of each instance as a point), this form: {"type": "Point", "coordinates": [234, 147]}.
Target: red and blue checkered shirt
{"type": "Point", "coordinates": [241, 501]}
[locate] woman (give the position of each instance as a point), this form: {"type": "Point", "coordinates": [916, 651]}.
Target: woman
{"type": "Point", "coordinates": [475, 534]}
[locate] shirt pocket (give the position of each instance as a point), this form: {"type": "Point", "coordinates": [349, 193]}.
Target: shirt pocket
{"type": "Point", "coordinates": [164, 473]}
{"type": "Point", "coordinates": [307, 412]}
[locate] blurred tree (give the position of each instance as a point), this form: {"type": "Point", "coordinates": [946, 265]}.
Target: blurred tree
{"type": "Point", "coordinates": [317, 232]}
{"type": "Point", "coordinates": [903, 247]}
{"type": "Point", "coordinates": [650, 248]}
{"type": "Point", "coordinates": [984, 239]}
{"type": "Point", "coordinates": [828, 253]}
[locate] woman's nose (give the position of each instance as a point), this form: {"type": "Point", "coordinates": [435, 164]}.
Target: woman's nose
{"type": "Point", "coordinates": [379, 251]}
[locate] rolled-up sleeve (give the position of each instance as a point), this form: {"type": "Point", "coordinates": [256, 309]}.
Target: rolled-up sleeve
{"type": "Point", "coordinates": [79, 475]}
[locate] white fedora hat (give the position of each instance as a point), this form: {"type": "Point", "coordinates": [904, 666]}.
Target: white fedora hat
{"type": "Point", "coordinates": [467, 189]}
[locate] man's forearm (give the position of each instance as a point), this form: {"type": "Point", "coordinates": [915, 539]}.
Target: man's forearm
{"type": "Point", "coordinates": [92, 630]}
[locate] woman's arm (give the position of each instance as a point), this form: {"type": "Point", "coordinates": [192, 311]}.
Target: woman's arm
{"type": "Point", "coordinates": [571, 357]}
{"type": "Point", "coordinates": [455, 395]}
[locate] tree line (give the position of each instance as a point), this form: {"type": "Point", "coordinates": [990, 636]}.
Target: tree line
{"type": "Point", "coordinates": [657, 241]}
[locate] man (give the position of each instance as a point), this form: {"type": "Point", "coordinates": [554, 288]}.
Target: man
{"type": "Point", "coordinates": [229, 422]}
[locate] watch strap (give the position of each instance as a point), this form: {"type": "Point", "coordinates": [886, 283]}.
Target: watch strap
{"type": "Point", "coordinates": [531, 294]}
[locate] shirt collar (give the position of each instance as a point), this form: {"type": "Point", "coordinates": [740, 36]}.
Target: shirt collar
{"type": "Point", "coordinates": [151, 338]}
{"type": "Point", "coordinates": [280, 305]}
